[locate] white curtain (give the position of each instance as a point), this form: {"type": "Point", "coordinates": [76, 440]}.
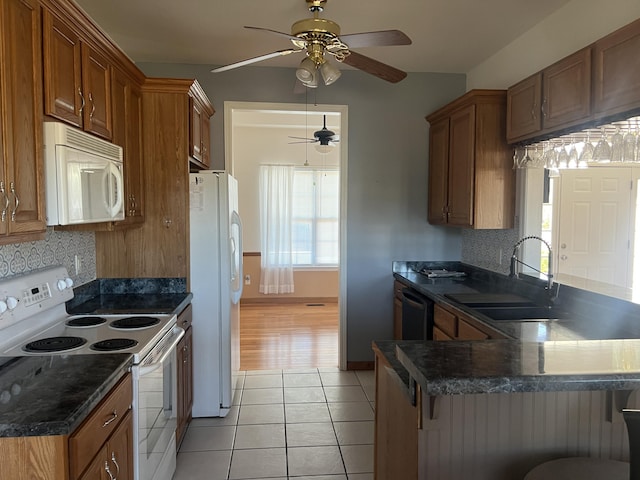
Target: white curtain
{"type": "Point", "coordinates": [276, 201]}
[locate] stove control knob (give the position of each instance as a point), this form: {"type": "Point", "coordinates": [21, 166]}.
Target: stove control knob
{"type": "Point", "coordinates": [68, 282]}
{"type": "Point", "coordinates": [61, 284]}
{"type": "Point", "coordinates": [5, 397]}
{"type": "Point", "coordinates": [3, 306]}
{"type": "Point", "coordinates": [12, 302]}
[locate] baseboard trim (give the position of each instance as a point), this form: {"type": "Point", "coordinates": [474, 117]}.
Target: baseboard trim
{"type": "Point", "coordinates": [286, 300]}
{"type": "Point", "coordinates": [360, 365]}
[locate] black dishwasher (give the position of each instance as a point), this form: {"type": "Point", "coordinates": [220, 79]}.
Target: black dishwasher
{"type": "Point", "coordinates": [417, 316]}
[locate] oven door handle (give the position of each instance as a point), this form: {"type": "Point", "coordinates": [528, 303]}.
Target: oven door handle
{"type": "Point", "coordinates": [178, 333]}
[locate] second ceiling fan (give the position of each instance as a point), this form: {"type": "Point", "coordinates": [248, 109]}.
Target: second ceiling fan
{"type": "Point", "coordinates": [319, 37]}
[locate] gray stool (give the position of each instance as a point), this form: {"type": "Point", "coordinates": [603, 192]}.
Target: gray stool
{"type": "Point", "coordinates": [585, 468]}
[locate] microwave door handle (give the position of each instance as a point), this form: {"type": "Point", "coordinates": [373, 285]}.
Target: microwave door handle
{"type": "Point", "coordinates": [111, 207]}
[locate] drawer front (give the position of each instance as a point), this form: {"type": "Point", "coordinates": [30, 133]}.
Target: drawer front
{"type": "Point", "coordinates": [445, 320]}
{"type": "Point", "coordinates": [469, 332]}
{"type": "Point", "coordinates": [185, 317]}
{"type": "Point", "coordinates": [87, 440]}
{"type": "Point", "coordinates": [439, 335]}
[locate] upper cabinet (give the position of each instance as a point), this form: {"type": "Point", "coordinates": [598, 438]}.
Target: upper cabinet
{"type": "Point", "coordinates": [201, 111]}
{"type": "Point", "coordinates": [22, 215]}
{"type": "Point", "coordinates": [595, 85]}
{"type": "Point", "coordinates": [557, 97]}
{"type": "Point", "coordinates": [77, 78]}
{"type": "Point", "coordinates": [126, 99]}
{"type": "Point", "coordinates": [471, 180]}
{"type": "Point", "coordinates": [616, 63]}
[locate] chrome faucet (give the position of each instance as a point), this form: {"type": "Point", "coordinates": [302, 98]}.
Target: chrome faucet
{"type": "Point", "coordinates": [515, 260]}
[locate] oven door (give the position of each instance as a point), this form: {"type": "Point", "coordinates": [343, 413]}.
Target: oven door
{"type": "Point", "coordinates": [155, 410]}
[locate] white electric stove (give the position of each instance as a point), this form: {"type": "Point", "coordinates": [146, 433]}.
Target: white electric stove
{"type": "Point", "coordinates": [34, 321]}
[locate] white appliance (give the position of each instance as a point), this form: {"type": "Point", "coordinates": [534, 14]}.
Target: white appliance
{"type": "Point", "coordinates": [83, 176]}
{"type": "Point", "coordinates": [216, 284]}
{"type": "Point", "coordinates": [34, 321]}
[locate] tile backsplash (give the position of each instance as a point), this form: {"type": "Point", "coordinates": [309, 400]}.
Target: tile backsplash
{"type": "Point", "coordinates": [489, 249]}
{"type": "Point", "coordinates": [58, 248]}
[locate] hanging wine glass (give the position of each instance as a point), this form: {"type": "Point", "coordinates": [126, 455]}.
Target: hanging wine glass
{"type": "Point", "coordinates": [629, 145]}
{"type": "Point", "coordinates": [586, 155]}
{"type": "Point", "coordinates": [563, 157]}
{"type": "Point", "coordinates": [617, 145]}
{"type": "Point", "coordinates": [602, 151]}
{"type": "Point", "coordinates": [550, 157]}
{"type": "Point", "coordinates": [573, 155]}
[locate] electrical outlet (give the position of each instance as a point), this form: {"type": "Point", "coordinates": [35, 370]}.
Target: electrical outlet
{"type": "Point", "coordinates": [247, 279]}
{"type": "Point", "coordinates": [78, 264]}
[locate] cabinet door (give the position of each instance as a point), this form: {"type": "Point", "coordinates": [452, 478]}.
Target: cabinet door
{"type": "Point", "coordinates": [440, 336]}
{"type": "Point", "coordinates": [96, 87]}
{"type": "Point", "coordinates": [195, 129]}
{"type": "Point", "coordinates": [134, 170]}
{"type": "Point", "coordinates": [462, 140]}
{"type": "Point", "coordinates": [567, 90]}
{"type": "Point", "coordinates": [469, 332]}
{"type": "Point", "coordinates": [523, 108]}
{"type": "Point", "coordinates": [616, 67]}
{"type": "Point", "coordinates": [185, 383]}
{"type": "Point", "coordinates": [119, 451]}
{"type": "Point", "coordinates": [396, 433]}
{"type": "Point", "coordinates": [21, 144]}
{"type": "Point", "coordinates": [63, 97]}
{"type": "Point", "coordinates": [446, 321]}
{"type": "Point", "coordinates": [438, 171]}
{"type": "Point", "coordinates": [97, 469]}
{"type": "Point", "coordinates": [397, 318]}
{"type": "Point", "coordinates": [206, 140]}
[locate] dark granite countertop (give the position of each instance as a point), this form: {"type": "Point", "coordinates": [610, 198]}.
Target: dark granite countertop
{"type": "Point", "coordinates": [594, 348]}
{"type": "Point", "coordinates": [507, 366]}
{"type": "Point", "coordinates": [133, 303]}
{"type": "Point", "coordinates": [53, 394]}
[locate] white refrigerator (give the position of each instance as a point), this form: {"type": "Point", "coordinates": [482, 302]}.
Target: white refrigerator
{"type": "Point", "coordinates": [216, 284]}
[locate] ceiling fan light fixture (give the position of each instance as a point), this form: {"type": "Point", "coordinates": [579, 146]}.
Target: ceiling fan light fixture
{"type": "Point", "coordinates": [324, 146]}
{"type": "Point", "coordinates": [330, 73]}
{"type": "Point", "coordinates": [307, 73]}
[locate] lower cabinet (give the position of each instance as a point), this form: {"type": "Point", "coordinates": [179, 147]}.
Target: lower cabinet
{"type": "Point", "coordinates": [452, 324]}
{"type": "Point", "coordinates": [185, 374]}
{"type": "Point", "coordinates": [397, 425]}
{"type": "Point", "coordinates": [397, 310]}
{"type": "Point", "coordinates": [102, 447]}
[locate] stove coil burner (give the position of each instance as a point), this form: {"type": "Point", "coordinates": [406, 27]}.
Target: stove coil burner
{"type": "Point", "coordinates": [85, 321]}
{"type": "Point", "coordinates": [135, 322]}
{"type": "Point", "coordinates": [113, 344]}
{"type": "Point", "coordinates": [54, 344]}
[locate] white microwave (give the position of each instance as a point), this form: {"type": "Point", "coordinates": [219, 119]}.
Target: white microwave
{"type": "Point", "coordinates": [83, 177]}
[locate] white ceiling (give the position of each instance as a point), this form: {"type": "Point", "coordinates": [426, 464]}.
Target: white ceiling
{"type": "Point", "coordinates": [448, 35]}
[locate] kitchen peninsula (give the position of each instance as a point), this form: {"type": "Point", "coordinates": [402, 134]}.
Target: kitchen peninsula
{"type": "Point", "coordinates": [493, 409]}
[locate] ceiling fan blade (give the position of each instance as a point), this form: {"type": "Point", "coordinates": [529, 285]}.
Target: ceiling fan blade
{"type": "Point", "coordinates": [255, 59]}
{"type": "Point", "coordinates": [303, 138]}
{"type": "Point", "coordinates": [308, 141]}
{"type": "Point", "coordinates": [380, 38]}
{"type": "Point", "coordinates": [282, 34]}
{"type": "Point", "coordinates": [374, 67]}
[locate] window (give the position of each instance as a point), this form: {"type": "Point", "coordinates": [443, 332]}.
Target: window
{"type": "Point", "coordinates": [315, 224]}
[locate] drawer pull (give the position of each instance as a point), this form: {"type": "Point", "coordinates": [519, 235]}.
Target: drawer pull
{"type": "Point", "coordinates": [114, 415]}
{"type": "Point", "coordinates": [113, 459]}
{"type": "Point", "coordinates": [106, 469]}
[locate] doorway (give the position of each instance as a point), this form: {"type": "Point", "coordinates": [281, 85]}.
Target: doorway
{"type": "Point", "coordinates": [265, 134]}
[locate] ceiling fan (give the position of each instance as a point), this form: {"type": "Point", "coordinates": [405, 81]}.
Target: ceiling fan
{"type": "Point", "coordinates": [319, 38]}
{"type": "Point", "coordinates": [324, 138]}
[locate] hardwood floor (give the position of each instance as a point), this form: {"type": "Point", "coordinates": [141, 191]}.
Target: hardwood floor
{"type": "Point", "coordinates": [285, 336]}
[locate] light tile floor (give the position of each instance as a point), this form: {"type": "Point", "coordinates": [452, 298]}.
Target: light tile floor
{"type": "Point", "coordinates": [310, 424]}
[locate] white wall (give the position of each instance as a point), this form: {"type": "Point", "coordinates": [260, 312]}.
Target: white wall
{"type": "Point", "coordinates": [574, 26]}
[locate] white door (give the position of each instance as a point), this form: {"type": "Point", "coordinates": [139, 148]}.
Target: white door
{"type": "Point", "coordinates": [593, 218]}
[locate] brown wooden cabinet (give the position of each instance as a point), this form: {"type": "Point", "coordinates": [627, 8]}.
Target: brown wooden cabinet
{"type": "Point", "coordinates": [452, 324]}
{"type": "Point", "coordinates": [397, 310]}
{"type": "Point", "coordinates": [557, 97]}
{"type": "Point", "coordinates": [185, 374]}
{"type": "Point", "coordinates": [471, 181]}
{"type": "Point", "coordinates": [77, 78]}
{"type": "Point", "coordinates": [616, 63]}
{"type": "Point", "coordinates": [199, 129]}
{"type": "Point", "coordinates": [160, 247]}
{"type": "Point", "coordinates": [104, 441]}
{"type": "Point", "coordinates": [126, 99]}
{"type": "Point", "coordinates": [22, 215]}
{"type": "Point", "coordinates": [397, 422]}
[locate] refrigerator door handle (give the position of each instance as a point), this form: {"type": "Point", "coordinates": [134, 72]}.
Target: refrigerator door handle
{"type": "Point", "coordinates": [237, 270]}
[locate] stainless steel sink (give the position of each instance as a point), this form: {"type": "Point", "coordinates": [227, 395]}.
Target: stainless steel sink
{"type": "Point", "coordinates": [524, 313]}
